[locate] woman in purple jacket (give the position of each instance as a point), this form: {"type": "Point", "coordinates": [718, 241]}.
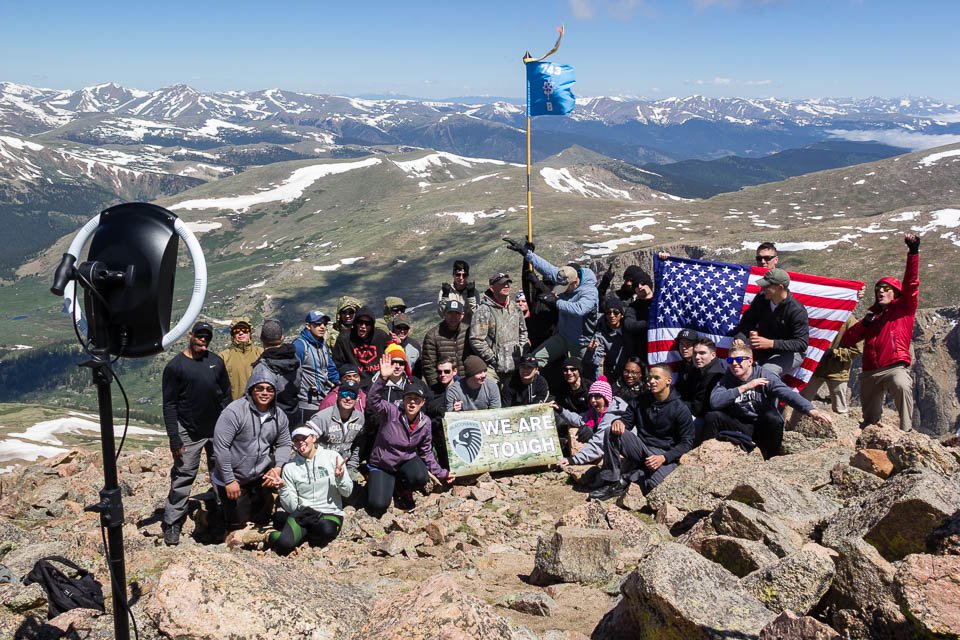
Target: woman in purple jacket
{"type": "Point", "coordinates": [403, 448]}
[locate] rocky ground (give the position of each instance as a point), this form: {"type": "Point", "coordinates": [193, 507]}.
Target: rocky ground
{"type": "Point", "coordinates": [850, 534]}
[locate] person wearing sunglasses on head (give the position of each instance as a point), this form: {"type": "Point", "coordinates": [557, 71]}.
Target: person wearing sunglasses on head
{"type": "Point", "coordinates": [886, 331]}
{"type": "Point", "coordinates": [240, 356]}
{"type": "Point", "coordinates": [743, 405]}
{"type": "Point", "coordinates": [362, 346]}
{"type": "Point", "coordinates": [340, 427]}
{"type": "Point", "coordinates": [318, 371]}
{"type": "Point", "coordinates": [252, 443]}
{"type": "Point", "coordinates": [461, 289]}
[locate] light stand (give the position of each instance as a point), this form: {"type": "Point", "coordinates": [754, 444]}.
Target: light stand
{"type": "Point", "coordinates": [128, 280]}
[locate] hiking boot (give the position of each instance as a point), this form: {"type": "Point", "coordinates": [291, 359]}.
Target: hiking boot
{"type": "Point", "coordinates": [248, 536]}
{"type": "Point", "coordinates": [171, 533]}
{"type": "Point", "coordinates": [609, 490]}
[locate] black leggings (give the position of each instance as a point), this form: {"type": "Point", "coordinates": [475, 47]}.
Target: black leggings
{"type": "Point", "coordinates": [412, 474]}
{"type": "Point", "coordinates": [305, 524]}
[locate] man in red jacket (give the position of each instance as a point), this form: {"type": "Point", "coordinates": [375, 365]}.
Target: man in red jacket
{"type": "Point", "coordinates": [886, 331]}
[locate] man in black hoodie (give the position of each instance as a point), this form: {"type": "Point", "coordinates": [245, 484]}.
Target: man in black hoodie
{"type": "Point", "coordinates": [282, 360]}
{"type": "Point", "coordinates": [362, 346]}
{"type": "Point", "coordinates": [664, 432]}
{"type": "Point", "coordinates": [526, 386]}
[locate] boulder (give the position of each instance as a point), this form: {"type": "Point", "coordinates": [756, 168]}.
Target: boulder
{"type": "Point", "coordinates": [810, 428]}
{"type": "Point", "coordinates": [737, 555]}
{"type": "Point", "coordinates": [699, 531]}
{"type": "Point", "coordinates": [945, 539]}
{"type": "Point", "coordinates": [795, 583]}
{"type": "Point", "coordinates": [534, 603]}
{"type": "Point", "coordinates": [873, 461]}
{"type": "Point", "coordinates": [809, 469]}
{"type": "Point", "coordinates": [637, 534]}
{"type": "Point", "coordinates": [898, 517]}
{"type": "Point", "coordinates": [789, 626]}
{"type": "Point", "coordinates": [21, 599]}
{"type": "Point", "coordinates": [706, 475]}
{"type": "Point", "coordinates": [928, 591]}
{"type": "Point", "coordinates": [437, 608]}
{"type": "Point", "coordinates": [936, 346]}
{"type": "Point", "coordinates": [915, 449]}
{"type": "Point", "coordinates": [799, 508]}
{"type": "Point", "coordinates": [588, 515]}
{"type": "Point", "coordinates": [878, 436]}
{"type": "Point", "coordinates": [633, 498]}
{"type": "Point", "coordinates": [794, 443]}
{"type": "Point", "coordinates": [575, 554]}
{"type": "Point", "coordinates": [668, 515]}
{"type": "Point", "coordinates": [884, 622]}
{"type": "Point", "coordinates": [848, 482]}
{"type": "Point", "coordinates": [398, 542]}
{"type": "Point", "coordinates": [676, 593]}
{"type": "Point", "coordinates": [742, 521]}
{"type": "Point", "coordinates": [863, 577]}
{"type": "Point", "coordinates": [205, 594]}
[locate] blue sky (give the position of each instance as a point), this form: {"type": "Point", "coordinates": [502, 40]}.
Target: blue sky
{"type": "Point", "coordinates": [649, 48]}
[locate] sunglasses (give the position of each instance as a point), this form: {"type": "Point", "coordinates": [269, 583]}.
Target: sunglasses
{"type": "Point", "coordinates": [398, 309]}
{"type": "Point", "coordinates": [239, 330]}
{"type": "Point", "coordinates": [884, 287]}
{"type": "Point", "coordinates": [403, 328]}
{"type": "Point", "coordinates": [398, 361]}
{"type": "Point", "coordinates": [263, 388]}
{"type": "Point", "coordinates": [569, 369]}
{"type": "Point", "coordinates": [348, 312]}
{"type": "Point", "coordinates": [614, 312]}
{"type": "Point", "coordinates": [764, 258]}
{"type": "Point", "coordinates": [349, 395]}
{"type": "Point", "coordinates": [738, 359]}
{"type": "Point", "coordinates": [445, 371]}
{"type": "Point", "coordinates": [364, 323]}
{"type": "Point", "coordinates": [319, 324]}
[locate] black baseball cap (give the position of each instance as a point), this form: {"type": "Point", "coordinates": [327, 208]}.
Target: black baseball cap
{"type": "Point", "coordinates": [202, 329]}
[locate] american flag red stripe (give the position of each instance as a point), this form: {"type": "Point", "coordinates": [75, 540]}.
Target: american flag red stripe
{"type": "Point", "coordinates": [828, 301]}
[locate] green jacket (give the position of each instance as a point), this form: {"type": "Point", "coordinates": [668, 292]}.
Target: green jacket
{"type": "Point", "coordinates": [313, 483]}
{"type": "Point", "coordinates": [836, 363]}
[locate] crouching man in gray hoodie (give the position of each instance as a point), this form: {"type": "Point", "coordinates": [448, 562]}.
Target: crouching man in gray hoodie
{"type": "Point", "coordinates": [252, 442]}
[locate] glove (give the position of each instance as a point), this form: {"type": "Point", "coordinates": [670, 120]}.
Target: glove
{"type": "Point", "coordinates": [549, 299]}
{"type": "Point", "coordinates": [606, 279]}
{"type": "Point", "coordinates": [913, 243]}
{"type": "Point", "coordinates": [447, 289]}
{"type": "Point", "coordinates": [584, 434]}
{"type": "Point", "coordinates": [868, 319]}
{"type": "Point", "coordinates": [471, 290]}
{"type": "Point", "coordinates": [529, 246]}
{"type": "Point", "coordinates": [513, 245]}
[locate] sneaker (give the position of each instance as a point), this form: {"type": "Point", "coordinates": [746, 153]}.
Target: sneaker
{"type": "Point", "coordinates": [171, 533]}
{"type": "Point", "coordinates": [609, 490]}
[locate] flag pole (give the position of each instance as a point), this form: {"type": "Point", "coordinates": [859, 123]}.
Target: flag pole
{"type": "Point", "coordinates": [527, 58]}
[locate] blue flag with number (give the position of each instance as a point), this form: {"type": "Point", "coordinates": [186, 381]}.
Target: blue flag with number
{"type": "Point", "coordinates": [550, 89]}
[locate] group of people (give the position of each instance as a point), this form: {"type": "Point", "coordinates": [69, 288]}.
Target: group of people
{"type": "Point", "coordinates": [354, 400]}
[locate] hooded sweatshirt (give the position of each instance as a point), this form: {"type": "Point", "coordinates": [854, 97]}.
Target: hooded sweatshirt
{"type": "Point", "coordinates": [340, 436]}
{"type": "Point", "coordinates": [363, 352]}
{"type": "Point", "coordinates": [593, 449]}
{"type": "Point", "coordinates": [577, 309]}
{"type": "Point", "coordinates": [335, 328]}
{"type": "Point", "coordinates": [663, 424]}
{"type": "Point", "coordinates": [248, 443]}
{"type": "Point", "coordinates": [282, 361]}
{"type": "Point", "coordinates": [750, 405]}
{"type": "Point", "coordinates": [397, 440]}
{"type": "Point", "coordinates": [312, 483]}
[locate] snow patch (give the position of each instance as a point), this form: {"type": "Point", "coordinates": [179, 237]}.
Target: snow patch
{"type": "Point", "coordinates": [469, 218]}
{"type": "Point", "coordinates": [561, 180]}
{"type": "Point", "coordinates": [608, 247]}
{"type": "Point", "coordinates": [933, 158]}
{"type": "Point", "coordinates": [203, 227]}
{"type": "Point", "coordinates": [46, 431]}
{"type": "Point", "coordinates": [905, 216]}
{"type": "Point", "coordinates": [291, 188]}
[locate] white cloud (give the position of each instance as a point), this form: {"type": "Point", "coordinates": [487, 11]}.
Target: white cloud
{"type": "Point", "coordinates": [717, 80]}
{"type": "Point", "coordinates": [582, 9]}
{"type": "Point", "coordinates": [757, 83]}
{"type": "Point", "coordinates": [898, 138]}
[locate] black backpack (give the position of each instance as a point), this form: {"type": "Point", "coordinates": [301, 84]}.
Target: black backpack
{"type": "Point", "coordinates": [65, 593]}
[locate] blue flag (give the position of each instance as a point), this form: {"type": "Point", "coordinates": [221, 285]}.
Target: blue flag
{"type": "Point", "coordinates": [550, 89]}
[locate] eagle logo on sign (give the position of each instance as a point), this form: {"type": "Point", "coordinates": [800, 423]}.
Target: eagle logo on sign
{"type": "Point", "coordinates": [466, 438]}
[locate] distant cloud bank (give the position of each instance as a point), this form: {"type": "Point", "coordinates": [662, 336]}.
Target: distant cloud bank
{"type": "Point", "coordinates": [906, 139]}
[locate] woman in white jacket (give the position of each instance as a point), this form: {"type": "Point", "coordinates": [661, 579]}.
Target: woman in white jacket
{"type": "Point", "coordinates": [314, 483]}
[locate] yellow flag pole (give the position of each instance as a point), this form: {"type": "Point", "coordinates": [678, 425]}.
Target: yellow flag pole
{"type": "Point", "coordinates": [527, 58]}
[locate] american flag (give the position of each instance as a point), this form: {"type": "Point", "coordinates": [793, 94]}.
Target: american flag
{"type": "Point", "coordinates": [709, 297]}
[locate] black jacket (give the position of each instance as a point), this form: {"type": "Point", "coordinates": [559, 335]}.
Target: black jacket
{"type": "Point", "coordinates": [665, 425]}
{"type": "Point", "coordinates": [575, 401]}
{"type": "Point", "coordinates": [785, 324]}
{"type": "Point", "coordinates": [696, 392]}
{"type": "Point", "coordinates": [516, 394]}
{"type": "Point", "coordinates": [635, 319]}
{"type": "Point", "coordinates": [283, 362]}
{"type": "Point", "coordinates": [194, 394]}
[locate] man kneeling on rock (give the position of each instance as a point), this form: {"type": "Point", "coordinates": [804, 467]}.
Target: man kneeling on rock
{"type": "Point", "coordinates": [744, 405]}
{"type": "Point", "coordinates": [651, 437]}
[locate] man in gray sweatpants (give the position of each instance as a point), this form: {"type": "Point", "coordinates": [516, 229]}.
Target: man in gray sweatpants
{"type": "Point", "coordinates": [196, 388]}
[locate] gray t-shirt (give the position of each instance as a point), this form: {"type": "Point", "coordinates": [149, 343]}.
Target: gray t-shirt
{"type": "Point", "coordinates": [486, 397]}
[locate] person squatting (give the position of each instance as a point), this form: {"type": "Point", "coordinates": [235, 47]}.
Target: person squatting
{"type": "Point", "coordinates": [351, 409]}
